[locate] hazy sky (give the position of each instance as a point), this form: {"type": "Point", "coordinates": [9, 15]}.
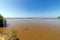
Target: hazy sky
{"type": "Point", "coordinates": [30, 8]}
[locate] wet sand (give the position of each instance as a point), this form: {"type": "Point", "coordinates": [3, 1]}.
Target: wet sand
{"type": "Point", "coordinates": [35, 29]}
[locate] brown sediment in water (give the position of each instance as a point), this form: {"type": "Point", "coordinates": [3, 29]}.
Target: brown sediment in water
{"type": "Point", "coordinates": [35, 31]}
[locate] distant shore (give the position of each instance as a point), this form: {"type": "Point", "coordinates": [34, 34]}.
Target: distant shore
{"type": "Point", "coordinates": [32, 18]}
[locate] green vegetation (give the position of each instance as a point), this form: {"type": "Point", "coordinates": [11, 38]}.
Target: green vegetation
{"type": "Point", "coordinates": [1, 17]}
{"type": "Point", "coordinates": [58, 17]}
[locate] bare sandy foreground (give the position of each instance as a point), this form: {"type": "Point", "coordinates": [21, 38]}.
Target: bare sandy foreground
{"type": "Point", "coordinates": [34, 30]}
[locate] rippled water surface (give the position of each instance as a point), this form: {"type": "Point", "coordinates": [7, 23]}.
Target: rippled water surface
{"type": "Point", "coordinates": [35, 29]}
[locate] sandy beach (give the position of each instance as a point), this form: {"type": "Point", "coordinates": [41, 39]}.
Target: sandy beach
{"type": "Point", "coordinates": [35, 29]}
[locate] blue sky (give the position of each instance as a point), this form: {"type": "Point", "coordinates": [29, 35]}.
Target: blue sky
{"type": "Point", "coordinates": [30, 8]}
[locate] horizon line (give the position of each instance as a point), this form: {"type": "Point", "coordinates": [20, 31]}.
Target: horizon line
{"type": "Point", "coordinates": [28, 18]}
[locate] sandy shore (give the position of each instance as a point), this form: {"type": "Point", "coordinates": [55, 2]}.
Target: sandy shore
{"type": "Point", "coordinates": [35, 31]}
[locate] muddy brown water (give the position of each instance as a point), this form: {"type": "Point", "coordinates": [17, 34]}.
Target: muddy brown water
{"type": "Point", "coordinates": [35, 29]}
